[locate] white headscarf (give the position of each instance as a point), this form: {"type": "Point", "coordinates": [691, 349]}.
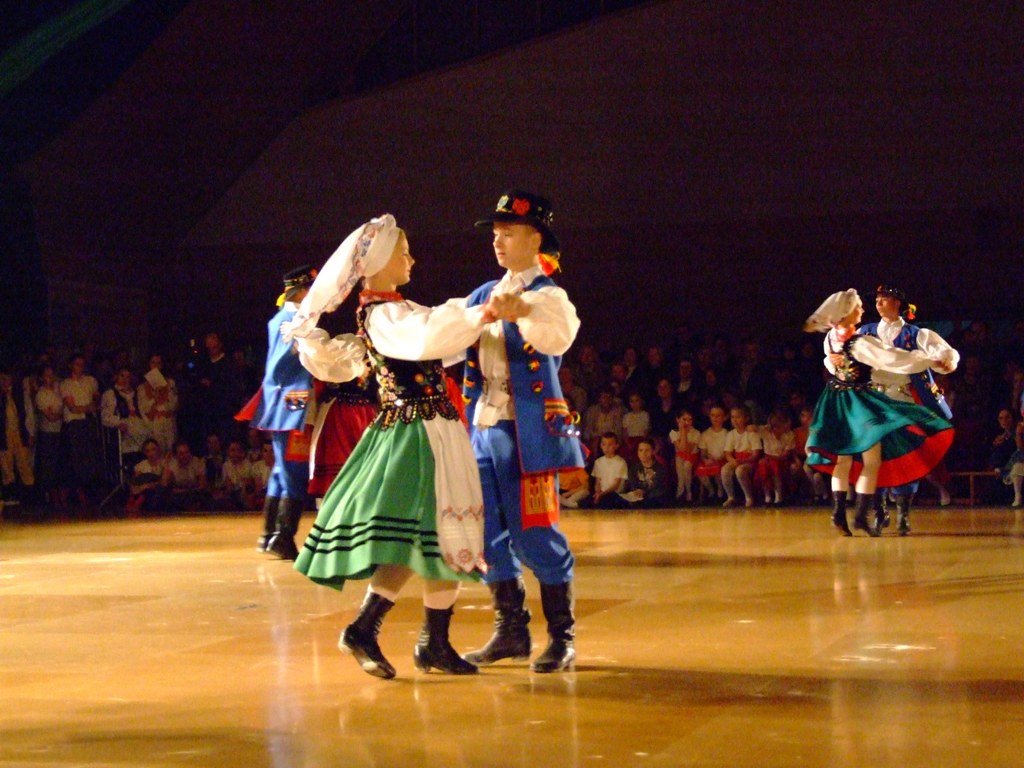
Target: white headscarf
{"type": "Point", "coordinates": [366, 251]}
{"type": "Point", "coordinates": [832, 310]}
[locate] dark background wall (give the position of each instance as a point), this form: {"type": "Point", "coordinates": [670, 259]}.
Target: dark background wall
{"type": "Point", "coordinates": [716, 164]}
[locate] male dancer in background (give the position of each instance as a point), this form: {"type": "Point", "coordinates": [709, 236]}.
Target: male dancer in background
{"type": "Point", "coordinates": [280, 409]}
{"type": "Point", "coordinates": [523, 432]}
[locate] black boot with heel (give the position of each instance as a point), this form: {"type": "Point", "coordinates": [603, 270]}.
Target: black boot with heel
{"type": "Point", "coordinates": [511, 638]}
{"type": "Point", "coordinates": [839, 513]}
{"type": "Point", "coordinates": [360, 637]}
{"type": "Point", "coordinates": [434, 650]}
{"type": "Point", "coordinates": [865, 502]}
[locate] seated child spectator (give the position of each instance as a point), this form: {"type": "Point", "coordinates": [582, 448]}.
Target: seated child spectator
{"type": "Point", "coordinates": [686, 441]}
{"type": "Point", "coordinates": [573, 486]}
{"type": "Point", "coordinates": [261, 469]}
{"type": "Point", "coordinates": [144, 488]}
{"type": "Point", "coordinates": [255, 451]}
{"type": "Point", "coordinates": [648, 479]}
{"type": "Point", "coordinates": [636, 425]}
{"type": "Point", "coordinates": [213, 462]}
{"type": "Point", "coordinates": [238, 485]}
{"type": "Point", "coordinates": [184, 479]}
{"type": "Point", "coordinates": [1004, 445]}
{"type": "Point", "coordinates": [610, 474]}
{"type": "Point", "coordinates": [774, 472]}
{"type": "Point", "coordinates": [712, 455]}
{"type": "Point", "coordinates": [818, 481]}
{"type": "Point", "coordinates": [742, 453]}
{"type": "Point", "coordinates": [1016, 474]}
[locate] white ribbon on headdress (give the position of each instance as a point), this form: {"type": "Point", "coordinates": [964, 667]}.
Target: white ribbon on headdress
{"type": "Point", "coordinates": [832, 310]}
{"type": "Point", "coordinates": [366, 251]}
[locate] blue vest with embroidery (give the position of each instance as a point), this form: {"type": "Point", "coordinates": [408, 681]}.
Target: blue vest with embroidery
{"type": "Point", "coordinates": [287, 386]}
{"type": "Point", "coordinates": [545, 428]}
{"type": "Point", "coordinates": [926, 391]}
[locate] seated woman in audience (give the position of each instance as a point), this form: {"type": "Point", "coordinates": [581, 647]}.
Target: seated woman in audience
{"type": "Point", "coordinates": [145, 488]}
{"type": "Point", "coordinates": [774, 471]}
{"type": "Point", "coordinates": [636, 426]}
{"type": "Point", "coordinates": [712, 455]}
{"type": "Point", "coordinates": [686, 442]}
{"type": "Point", "coordinates": [588, 369]}
{"type": "Point", "coordinates": [184, 479]}
{"type": "Point", "coordinates": [603, 416]}
{"type": "Point", "coordinates": [663, 410]}
{"type": "Point", "coordinates": [648, 479]}
{"type": "Point", "coordinates": [743, 451]}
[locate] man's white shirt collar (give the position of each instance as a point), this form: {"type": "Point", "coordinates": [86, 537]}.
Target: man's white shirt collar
{"type": "Point", "coordinates": [520, 280]}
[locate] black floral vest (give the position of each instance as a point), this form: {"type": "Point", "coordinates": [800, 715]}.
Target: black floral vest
{"type": "Point", "coordinates": [408, 389]}
{"type": "Point", "coordinates": [851, 373]}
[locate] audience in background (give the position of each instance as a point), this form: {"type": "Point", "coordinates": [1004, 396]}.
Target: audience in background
{"type": "Point", "coordinates": [59, 441]}
{"type": "Point", "coordinates": [158, 402]}
{"type": "Point", "coordinates": [82, 444]}
{"type": "Point", "coordinates": [610, 474]}
{"type": "Point", "coordinates": [17, 437]}
{"type": "Point", "coordinates": [685, 441]}
{"type": "Point", "coordinates": [647, 485]}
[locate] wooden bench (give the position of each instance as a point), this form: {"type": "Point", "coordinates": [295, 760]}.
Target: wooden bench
{"type": "Point", "coordinates": [971, 477]}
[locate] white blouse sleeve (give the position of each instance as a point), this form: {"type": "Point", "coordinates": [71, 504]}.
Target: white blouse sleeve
{"type": "Point", "coordinates": [937, 348]}
{"type": "Point", "coordinates": [871, 351]}
{"type": "Point", "coordinates": [828, 350]}
{"type": "Point", "coordinates": [552, 324]}
{"type": "Point", "coordinates": [405, 330]}
{"type": "Point", "coordinates": [339, 359]}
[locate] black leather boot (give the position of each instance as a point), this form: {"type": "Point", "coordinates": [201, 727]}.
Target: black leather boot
{"type": "Point", "coordinates": [511, 638]}
{"type": "Point", "coordinates": [881, 510]}
{"type": "Point", "coordinates": [903, 515]}
{"type": "Point", "coordinates": [282, 543]}
{"type": "Point", "coordinates": [269, 521]}
{"type": "Point", "coordinates": [839, 513]}
{"type": "Point", "coordinates": [360, 637]}
{"type": "Point", "coordinates": [860, 520]}
{"type": "Point", "coordinates": [560, 654]}
{"type": "Point", "coordinates": [434, 651]}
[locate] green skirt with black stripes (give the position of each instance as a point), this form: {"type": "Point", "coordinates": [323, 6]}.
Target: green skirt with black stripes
{"type": "Point", "coordinates": [380, 510]}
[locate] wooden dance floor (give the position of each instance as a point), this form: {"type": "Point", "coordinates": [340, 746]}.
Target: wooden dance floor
{"type": "Point", "coordinates": [705, 638]}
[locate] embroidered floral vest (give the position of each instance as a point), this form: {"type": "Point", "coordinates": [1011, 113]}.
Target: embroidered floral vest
{"type": "Point", "coordinates": [408, 389]}
{"type": "Point", "coordinates": [850, 373]}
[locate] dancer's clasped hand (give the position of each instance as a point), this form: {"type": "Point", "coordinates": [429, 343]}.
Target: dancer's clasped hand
{"type": "Point", "coordinates": [507, 306]}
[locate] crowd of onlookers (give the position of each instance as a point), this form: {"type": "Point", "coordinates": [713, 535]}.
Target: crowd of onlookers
{"type": "Point", "coordinates": [87, 428]}
{"type": "Point", "coordinates": [700, 418]}
{"type": "Point", "coordinates": [705, 418]}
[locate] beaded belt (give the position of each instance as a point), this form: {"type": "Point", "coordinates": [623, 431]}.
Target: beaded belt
{"type": "Point", "coordinates": [843, 386]}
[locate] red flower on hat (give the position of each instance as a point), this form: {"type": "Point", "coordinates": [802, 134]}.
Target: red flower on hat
{"type": "Point", "coordinates": [520, 207]}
